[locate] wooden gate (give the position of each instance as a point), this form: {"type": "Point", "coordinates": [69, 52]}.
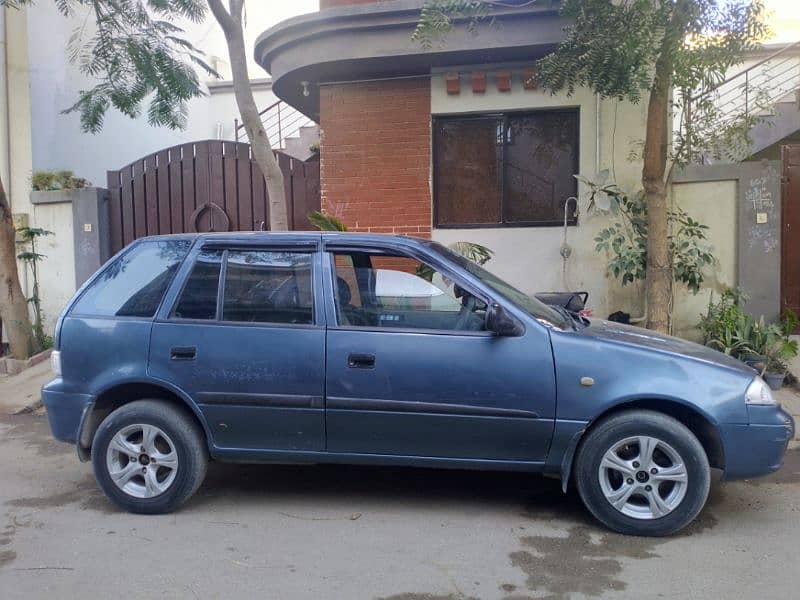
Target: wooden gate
{"type": "Point", "coordinates": [203, 186]}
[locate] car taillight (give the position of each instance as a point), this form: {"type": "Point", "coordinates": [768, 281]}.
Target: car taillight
{"type": "Point", "coordinates": [55, 362]}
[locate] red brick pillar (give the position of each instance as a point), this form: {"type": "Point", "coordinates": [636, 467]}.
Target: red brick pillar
{"type": "Point", "coordinates": [375, 153]}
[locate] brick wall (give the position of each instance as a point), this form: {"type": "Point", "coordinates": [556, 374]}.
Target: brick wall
{"type": "Point", "coordinates": [375, 154]}
{"type": "Point", "coordinates": [323, 4]}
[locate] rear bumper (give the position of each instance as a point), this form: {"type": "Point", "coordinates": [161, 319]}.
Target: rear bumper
{"type": "Point", "coordinates": [65, 410]}
{"type": "Point", "coordinates": [758, 448]}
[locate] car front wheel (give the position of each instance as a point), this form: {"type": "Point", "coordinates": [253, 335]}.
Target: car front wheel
{"type": "Point", "coordinates": [642, 473]}
{"type": "Point", "coordinates": [149, 457]}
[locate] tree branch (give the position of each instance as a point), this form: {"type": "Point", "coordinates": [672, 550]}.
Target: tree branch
{"type": "Point", "coordinates": [236, 10]}
{"type": "Point", "coordinates": [223, 17]}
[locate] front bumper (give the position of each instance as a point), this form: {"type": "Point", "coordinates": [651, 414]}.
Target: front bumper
{"type": "Point", "coordinates": [758, 448]}
{"type": "Point", "coordinates": [65, 410]}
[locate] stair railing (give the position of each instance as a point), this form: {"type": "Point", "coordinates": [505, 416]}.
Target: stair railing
{"type": "Point", "coordinates": [280, 121]}
{"type": "Point", "coordinates": [749, 92]}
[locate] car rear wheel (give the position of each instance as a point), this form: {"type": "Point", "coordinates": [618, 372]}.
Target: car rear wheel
{"type": "Point", "coordinates": [642, 473]}
{"type": "Point", "coordinates": [149, 457]}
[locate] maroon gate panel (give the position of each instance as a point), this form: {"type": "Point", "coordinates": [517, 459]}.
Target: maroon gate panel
{"type": "Point", "coordinates": [210, 185]}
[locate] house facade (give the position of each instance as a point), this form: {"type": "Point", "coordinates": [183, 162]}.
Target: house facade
{"type": "Point", "coordinates": [455, 142]}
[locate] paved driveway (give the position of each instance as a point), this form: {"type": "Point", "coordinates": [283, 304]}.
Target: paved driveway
{"type": "Point", "coordinates": [277, 532]}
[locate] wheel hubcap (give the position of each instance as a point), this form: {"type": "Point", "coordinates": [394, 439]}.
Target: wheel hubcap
{"type": "Point", "coordinates": [643, 477]}
{"type": "Point", "coordinates": [142, 460]}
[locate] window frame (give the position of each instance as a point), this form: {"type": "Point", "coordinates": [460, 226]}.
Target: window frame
{"type": "Point", "coordinates": [504, 116]}
{"type": "Point", "coordinates": [333, 318]}
{"type": "Point", "coordinates": [310, 249]}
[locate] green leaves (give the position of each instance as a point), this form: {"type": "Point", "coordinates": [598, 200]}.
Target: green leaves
{"type": "Point", "coordinates": [437, 16]}
{"type": "Point", "coordinates": [45, 181]}
{"type": "Point", "coordinates": [727, 328]}
{"type": "Point", "coordinates": [325, 222]}
{"type": "Point", "coordinates": [626, 240]}
{"type": "Point", "coordinates": [136, 53]}
{"type": "Point", "coordinates": [477, 253]}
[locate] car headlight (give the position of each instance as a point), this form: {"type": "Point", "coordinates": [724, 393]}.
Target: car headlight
{"type": "Point", "coordinates": [758, 392]}
{"type": "Point", "coordinates": [55, 362]}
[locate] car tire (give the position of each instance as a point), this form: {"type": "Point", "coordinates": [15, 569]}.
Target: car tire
{"type": "Point", "coordinates": [656, 498]}
{"type": "Point", "coordinates": [149, 456]}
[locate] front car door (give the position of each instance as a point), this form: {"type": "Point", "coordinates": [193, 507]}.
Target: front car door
{"type": "Point", "coordinates": [411, 371]}
{"type": "Point", "coordinates": [244, 336]}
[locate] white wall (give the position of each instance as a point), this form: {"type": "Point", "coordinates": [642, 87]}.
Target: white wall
{"type": "Point", "coordinates": [57, 269]}
{"type": "Point", "coordinates": [528, 257]}
{"type": "Point", "coordinates": [58, 142]}
{"type": "Point", "coordinates": [712, 203]}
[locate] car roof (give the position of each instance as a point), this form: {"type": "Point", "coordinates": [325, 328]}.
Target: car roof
{"type": "Point", "coordinates": [298, 237]}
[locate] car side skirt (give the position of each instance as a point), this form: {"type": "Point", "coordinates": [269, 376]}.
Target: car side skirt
{"type": "Point", "coordinates": [306, 457]}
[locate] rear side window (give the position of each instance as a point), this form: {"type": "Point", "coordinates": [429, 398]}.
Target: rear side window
{"type": "Point", "coordinates": [134, 284]}
{"type": "Point", "coordinates": [268, 287]}
{"type": "Point", "coordinates": [199, 297]}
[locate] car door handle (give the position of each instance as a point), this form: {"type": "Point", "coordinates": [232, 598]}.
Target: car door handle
{"type": "Point", "coordinates": [361, 361]}
{"type": "Point", "coordinates": [183, 353]}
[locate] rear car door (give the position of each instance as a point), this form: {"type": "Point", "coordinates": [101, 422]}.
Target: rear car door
{"type": "Point", "coordinates": [410, 369]}
{"type": "Point", "coordinates": [244, 336]}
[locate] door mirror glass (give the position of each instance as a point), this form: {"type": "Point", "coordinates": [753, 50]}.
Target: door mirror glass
{"type": "Point", "coordinates": [499, 322]}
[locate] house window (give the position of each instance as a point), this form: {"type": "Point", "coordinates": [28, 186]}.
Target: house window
{"type": "Point", "coordinates": [508, 170]}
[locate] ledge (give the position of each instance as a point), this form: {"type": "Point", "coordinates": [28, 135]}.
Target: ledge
{"type": "Point", "coordinates": [65, 196]}
{"type": "Point", "coordinates": [367, 41]}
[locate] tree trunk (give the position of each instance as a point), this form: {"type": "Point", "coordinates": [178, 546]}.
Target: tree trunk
{"type": "Point", "coordinates": [231, 23]}
{"type": "Point", "coordinates": [13, 305]}
{"type": "Point", "coordinates": [658, 285]}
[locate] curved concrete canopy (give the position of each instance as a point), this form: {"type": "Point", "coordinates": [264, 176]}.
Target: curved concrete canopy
{"type": "Point", "coordinates": [367, 41]}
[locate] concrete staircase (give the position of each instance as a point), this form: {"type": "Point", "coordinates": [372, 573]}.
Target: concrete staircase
{"type": "Point", "coordinates": [289, 130]}
{"type": "Point", "coordinates": [781, 122]}
{"type": "Point", "coordinates": [302, 146]}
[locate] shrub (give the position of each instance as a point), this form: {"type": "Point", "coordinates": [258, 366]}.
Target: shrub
{"type": "Point", "coordinates": [48, 181]}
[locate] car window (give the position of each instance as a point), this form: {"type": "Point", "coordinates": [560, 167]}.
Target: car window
{"type": "Point", "coordinates": [134, 284]}
{"type": "Point", "coordinates": [268, 287]}
{"type": "Point", "coordinates": [375, 290]}
{"type": "Point", "coordinates": [534, 307]}
{"type": "Point", "coordinates": [198, 299]}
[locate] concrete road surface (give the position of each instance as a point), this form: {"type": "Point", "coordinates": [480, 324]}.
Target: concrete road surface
{"type": "Point", "coordinates": [330, 532]}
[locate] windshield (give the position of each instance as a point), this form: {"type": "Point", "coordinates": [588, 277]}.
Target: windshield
{"type": "Point", "coordinates": [534, 307]}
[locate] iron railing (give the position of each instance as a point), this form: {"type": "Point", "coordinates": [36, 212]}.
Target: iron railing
{"type": "Point", "coordinates": [755, 89]}
{"type": "Point", "coordinates": [280, 121]}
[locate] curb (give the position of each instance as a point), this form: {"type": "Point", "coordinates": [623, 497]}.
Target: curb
{"type": "Point", "coordinates": [12, 366]}
{"type": "Point", "coordinates": [29, 408]}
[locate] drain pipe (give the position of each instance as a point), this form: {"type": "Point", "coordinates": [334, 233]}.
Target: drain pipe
{"type": "Point", "coordinates": [566, 249]}
{"type": "Point", "coordinates": [597, 133]}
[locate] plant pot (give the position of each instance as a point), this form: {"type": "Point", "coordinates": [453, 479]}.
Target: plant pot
{"type": "Point", "coordinates": [774, 380]}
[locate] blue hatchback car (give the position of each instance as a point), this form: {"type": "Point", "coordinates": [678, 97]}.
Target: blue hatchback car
{"type": "Point", "coordinates": [354, 348]}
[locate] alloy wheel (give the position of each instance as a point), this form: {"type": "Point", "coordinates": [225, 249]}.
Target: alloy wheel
{"type": "Point", "coordinates": [142, 460]}
{"type": "Point", "coordinates": [643, 477]}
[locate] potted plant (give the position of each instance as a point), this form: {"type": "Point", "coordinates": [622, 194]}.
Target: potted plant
{"type": "Point", "coordinates": [779, 348]}
{"type": "Point", "coordinates": [755, 332]}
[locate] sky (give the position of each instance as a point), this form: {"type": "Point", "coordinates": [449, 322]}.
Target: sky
{"type": "Point", "coordinates": [785, 20]}
{"type": "Point", "coordinates": [261, 15]}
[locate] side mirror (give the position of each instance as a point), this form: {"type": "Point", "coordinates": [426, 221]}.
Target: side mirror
{"type": "Point", "coordinates": [499, 322]}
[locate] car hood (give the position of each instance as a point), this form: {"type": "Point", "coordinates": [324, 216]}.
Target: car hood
{"type": "Point", "coordinates": [644, 338]}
